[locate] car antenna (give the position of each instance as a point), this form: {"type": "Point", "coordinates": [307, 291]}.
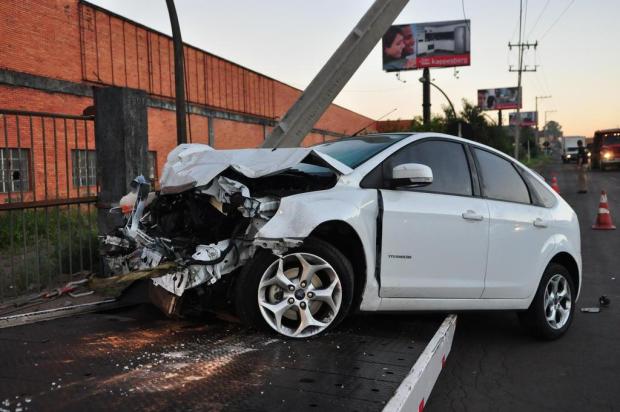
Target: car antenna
{"type": "Point", "coordinates": [364, 128]}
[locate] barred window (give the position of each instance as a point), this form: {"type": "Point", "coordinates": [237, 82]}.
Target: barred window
{"type": "Point", "coordinates": [84, 168]}
{"type": "Point", "coordinates": [14, 170]}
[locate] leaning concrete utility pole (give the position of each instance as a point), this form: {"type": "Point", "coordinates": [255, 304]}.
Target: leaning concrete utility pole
{"type": "Point", "coordinates": [324, 88]}
{"type": "Point", "coordinates": [179, 72]}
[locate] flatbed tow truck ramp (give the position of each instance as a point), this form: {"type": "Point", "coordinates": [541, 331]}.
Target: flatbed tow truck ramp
{"type": "Point", "coordinates": [135, 359]}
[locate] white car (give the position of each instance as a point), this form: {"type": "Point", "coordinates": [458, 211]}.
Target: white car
{"type": "Point", "coordinates": [299, 238]}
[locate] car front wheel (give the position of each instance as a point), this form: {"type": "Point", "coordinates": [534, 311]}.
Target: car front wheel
{"type": "Point", "coordinates": [302, 293]}
{"type": "Point", "coordinates": [551, 312]}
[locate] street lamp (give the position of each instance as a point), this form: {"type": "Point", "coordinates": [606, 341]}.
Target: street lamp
{"type": "Point", "coordinates": [426, 79]}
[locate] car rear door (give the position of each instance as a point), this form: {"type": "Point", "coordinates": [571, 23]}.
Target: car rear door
{"type": "Point", "coordinates": [434, 238]}
{"type": "Point", "coordinates": [519, 233]}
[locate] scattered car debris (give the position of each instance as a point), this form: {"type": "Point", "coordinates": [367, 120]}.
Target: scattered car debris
{"type": "Point", "coordinates": [603, 302]}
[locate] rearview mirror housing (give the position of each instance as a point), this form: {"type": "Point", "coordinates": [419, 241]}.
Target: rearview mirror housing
{"type": "Point", "coordinates": [411, 174]}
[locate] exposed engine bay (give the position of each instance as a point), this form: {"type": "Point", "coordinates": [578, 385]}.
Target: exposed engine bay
{"type": "Point", "coordinates": [207, 230]}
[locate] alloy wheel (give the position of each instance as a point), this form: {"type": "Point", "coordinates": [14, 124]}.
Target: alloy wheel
{"type": "Point", "coordinates": [557, 301]}
{"type": "Point", "coordinates": [299, 295]}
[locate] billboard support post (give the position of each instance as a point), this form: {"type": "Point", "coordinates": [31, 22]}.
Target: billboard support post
{"type": "Point", "coordinates": [426, 96]}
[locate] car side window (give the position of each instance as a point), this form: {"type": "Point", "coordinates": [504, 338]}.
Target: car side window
{"type": "Point", "coordinates": [500, 180]}
{"type": "Point", "coordinates": [544, 195]}
{"type": "Point", "coordinates": [446, 159]}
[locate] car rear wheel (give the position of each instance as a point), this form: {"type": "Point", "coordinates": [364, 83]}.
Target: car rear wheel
{"type": "Point", "coordinates": [551, 312]}
{"type": "Point", "coordinates": [302, 293]}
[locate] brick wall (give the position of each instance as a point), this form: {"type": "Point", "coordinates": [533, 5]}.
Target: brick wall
{"type": "Point", "coordinates": [80, 43]}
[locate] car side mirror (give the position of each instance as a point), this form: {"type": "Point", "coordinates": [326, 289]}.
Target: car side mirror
{"type": "Point", "coordinates": [412, 175]}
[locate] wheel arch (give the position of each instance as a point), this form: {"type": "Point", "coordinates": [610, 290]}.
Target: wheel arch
{"type": "Point", "coordinates": [343, 237]}
{"type": "Point", "coordinates": [568, 261]}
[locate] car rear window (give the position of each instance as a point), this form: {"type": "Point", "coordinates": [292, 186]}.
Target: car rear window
{"type": "Point", "coordinates": [500, 180]}
{"type": "Point", "coordinates": [544, 195]}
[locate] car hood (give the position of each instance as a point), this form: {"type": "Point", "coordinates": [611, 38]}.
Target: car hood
{"type": "Point", "coordinates": [192, 165]}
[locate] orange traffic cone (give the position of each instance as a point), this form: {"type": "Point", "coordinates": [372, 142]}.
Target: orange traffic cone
{"type": "Point", "coordinates": [603, 218]}
{"type": "Point", "coordinates": [554, 184]}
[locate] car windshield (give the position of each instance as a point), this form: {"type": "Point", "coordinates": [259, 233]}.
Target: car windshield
{"type": "Point", "coordinates": [572, 149]}
{"type": "Point", "coordinates": [612, 139]}
{"type": "Point", "coordinates": [353, 151]}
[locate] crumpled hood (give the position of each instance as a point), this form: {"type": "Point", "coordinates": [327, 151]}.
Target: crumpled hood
{"type": "Point", "coordinates": [192, 165]}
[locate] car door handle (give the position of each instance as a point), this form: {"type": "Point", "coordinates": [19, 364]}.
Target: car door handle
{"type": "Point", "coordinates": [471, 215]}
{"type": "Point", "coordinates": [538, 222]}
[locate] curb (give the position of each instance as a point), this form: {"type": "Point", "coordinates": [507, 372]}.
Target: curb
{"type": "Point", "coordinates": [415, 389]}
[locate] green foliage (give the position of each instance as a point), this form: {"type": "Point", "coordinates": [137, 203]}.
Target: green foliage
{"type": "Point", "coordinates": [40, 248]}
{"type": "Point", "coordinates": [553, 129]}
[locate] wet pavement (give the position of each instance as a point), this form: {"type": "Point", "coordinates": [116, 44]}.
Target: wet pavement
{"type": "Point", "coordinates": [135, 359]}
{"type": "Point", "coordinates": [495, 366]}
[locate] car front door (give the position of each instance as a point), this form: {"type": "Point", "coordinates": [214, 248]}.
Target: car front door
{"type": "Point", "coordinates": [518, 235]}
{"type": "Point", "coordinates": [434, 239]}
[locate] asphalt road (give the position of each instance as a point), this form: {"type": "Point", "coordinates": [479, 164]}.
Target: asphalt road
{"type": "Point", "coordinates": [495, 366]}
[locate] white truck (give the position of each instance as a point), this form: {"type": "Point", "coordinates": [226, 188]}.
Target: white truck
{"type": "Point", "coordinates": [569, 147]}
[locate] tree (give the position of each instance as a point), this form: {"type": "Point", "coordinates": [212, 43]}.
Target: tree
{"type": "Point", "coordinates": [553, 129]}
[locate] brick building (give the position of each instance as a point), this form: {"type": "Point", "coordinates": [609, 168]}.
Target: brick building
{"type": "Point", "coordinates": [52, 52]}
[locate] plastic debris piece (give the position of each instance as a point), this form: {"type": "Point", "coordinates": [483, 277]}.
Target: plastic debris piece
{"type": "Point", "coordinates": [590, 310]}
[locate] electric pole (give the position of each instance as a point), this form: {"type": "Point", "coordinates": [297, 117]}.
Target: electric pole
{"type": "Point", "coordinates": [536, 106]}
{"type": "Point", "coordinates": [520, 69]}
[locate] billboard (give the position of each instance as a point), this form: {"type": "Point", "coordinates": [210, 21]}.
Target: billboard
{"type": "Point", "coordinates": [498, 99]}
{"type": "Point", "coordinates": [421, 45]}
{"type": "Point", "coordinates": [527, 118]}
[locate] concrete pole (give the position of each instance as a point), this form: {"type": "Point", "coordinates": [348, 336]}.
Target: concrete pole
{"type": "Point", "coordinates": [121, 130]}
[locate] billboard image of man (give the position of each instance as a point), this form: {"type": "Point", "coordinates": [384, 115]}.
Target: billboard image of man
{"type": "Point", "coordinates": [436, 44]}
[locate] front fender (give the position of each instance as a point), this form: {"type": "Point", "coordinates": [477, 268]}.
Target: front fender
{"type": "Point", "coordinates": [300, 214]}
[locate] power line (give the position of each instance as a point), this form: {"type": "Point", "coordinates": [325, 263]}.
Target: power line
{"type": "Point", "coordinates": [558, 19]}
{"type": "Point", "coordinates": [538, 18]}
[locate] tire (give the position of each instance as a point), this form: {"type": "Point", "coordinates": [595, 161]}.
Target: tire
{"type": "Point", "coordinates": [536, 318]}
{"type": "Point", "coordinates": [263, 299]}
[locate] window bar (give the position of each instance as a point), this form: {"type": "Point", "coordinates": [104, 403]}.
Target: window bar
{"type": "Point", "coordinates": [47, 217]}
{"type": "Point", "coordinates": [22, 178]}
{"type": "Point", "coordinates": [7, 185]}
{"type": "Point", "coordinates": [36, 210]}
{"type": "Point", "coordinates": [79, 206]}
{"type": "Point", "coordinates": [58, 243]}
{"type": "Point", "coordinates": [90, 224]}
{"type": "Point", "coordinates": [68, 196]}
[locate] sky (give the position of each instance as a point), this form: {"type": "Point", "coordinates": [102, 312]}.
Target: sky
{"type": "Point", "coordinates": [578, 55]}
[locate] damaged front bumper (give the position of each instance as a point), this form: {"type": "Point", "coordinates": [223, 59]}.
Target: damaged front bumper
{"type": "Point", "coordinates": [205, 220]}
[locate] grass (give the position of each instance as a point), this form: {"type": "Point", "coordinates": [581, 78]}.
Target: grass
{"type": "Point", "coordinates": [40, 248]}
{"type": "Point", "coordinates": [536, 163]}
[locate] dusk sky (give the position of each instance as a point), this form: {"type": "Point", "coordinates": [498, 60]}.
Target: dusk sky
{"type": "Point", "coordinates": [578, 56]}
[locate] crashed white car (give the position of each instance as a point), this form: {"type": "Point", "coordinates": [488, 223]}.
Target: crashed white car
{"type": "Point", "coordinates": [299, 238]}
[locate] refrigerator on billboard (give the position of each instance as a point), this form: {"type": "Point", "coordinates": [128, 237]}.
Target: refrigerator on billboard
{"type": "Point", "coordinates": [422, 45]}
